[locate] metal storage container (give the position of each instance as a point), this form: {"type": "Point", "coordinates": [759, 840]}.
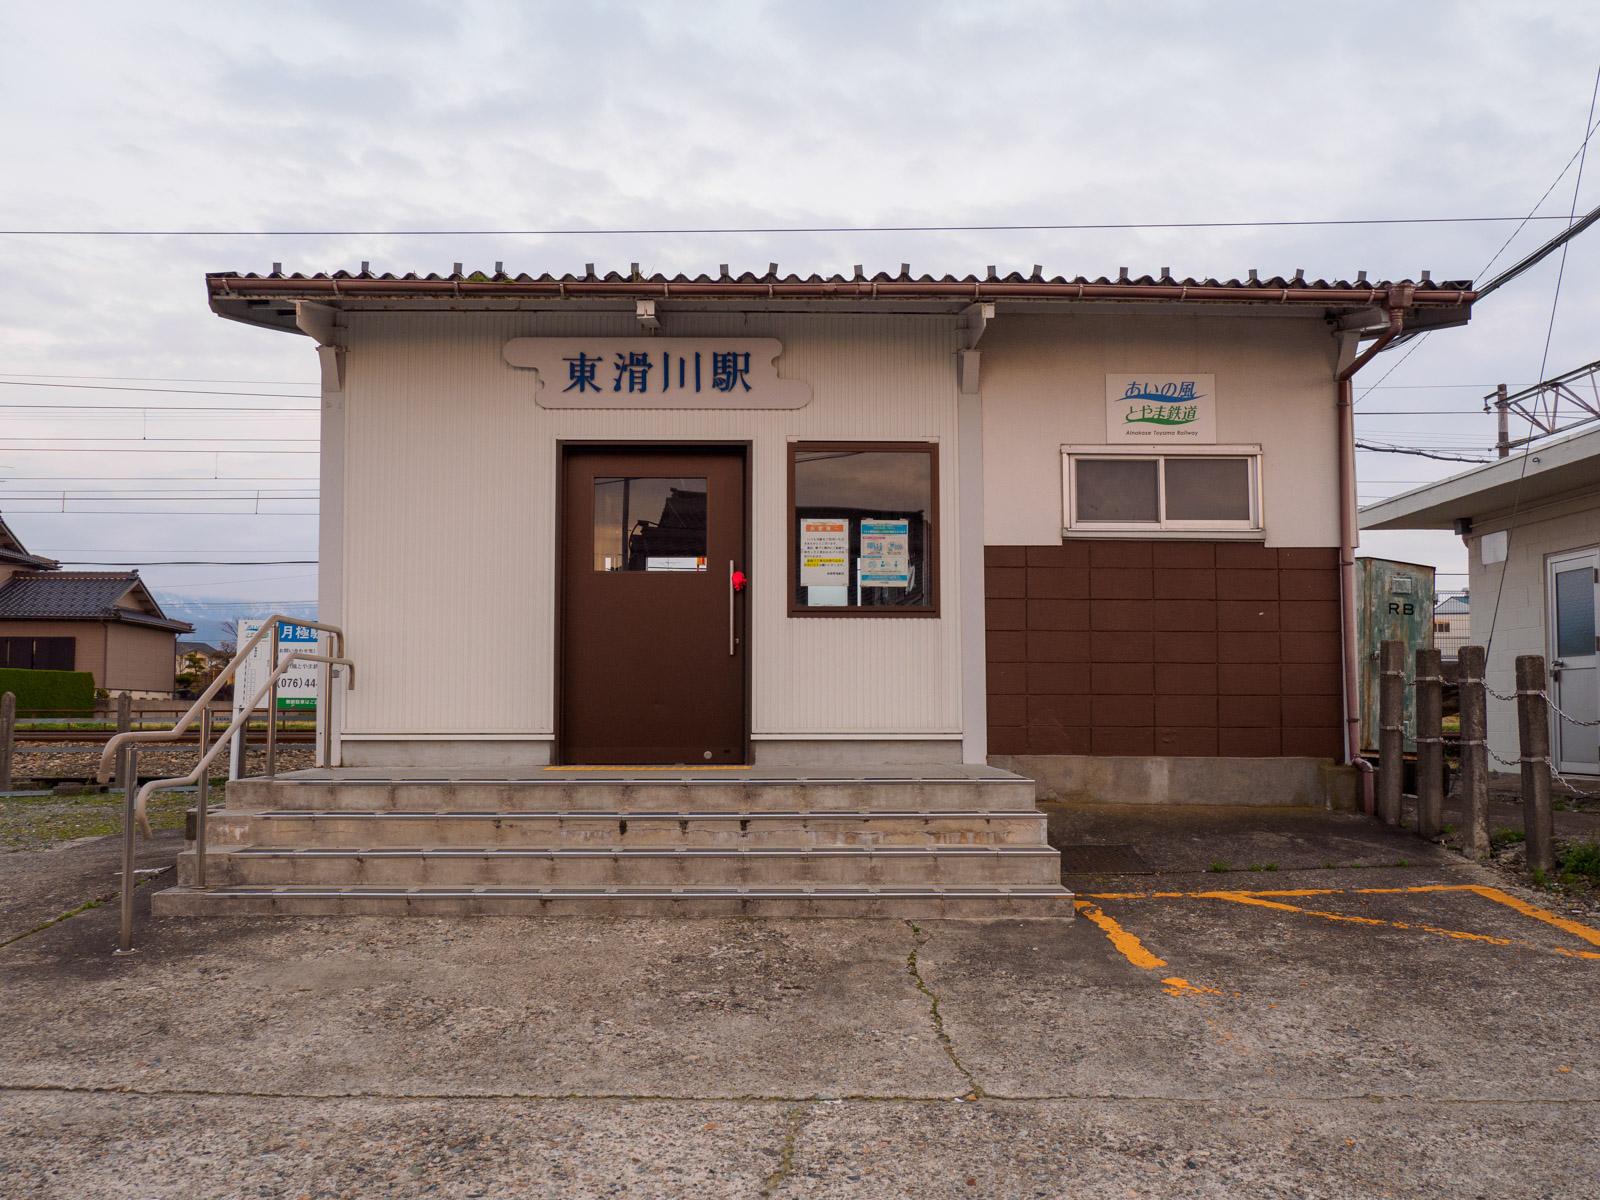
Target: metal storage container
{"type": "Point", "coordinates": [1394, 603]}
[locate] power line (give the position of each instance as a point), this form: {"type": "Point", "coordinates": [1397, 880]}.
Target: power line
{"type": "Point", "coordinates": [208, 584]}
{"type": "Point", "coordinates": [160, 437]}
{"type": "Point", "coordinates": [1555, 299]}
{"type": "Point", "coordinates": [108, 387]}
{"type": "Point", "coordinates": [1507, 276]}
{"type": "Point", "coordinates": [192, 562]}
{"type": "Point", "coordinates": [242, 602]}
{"type": "Point", "coordinates": [759, 229]}
{"type": "Point", "coordinates": [240, 479]}
{"type": "Point", "coordinates": [146, 409]}
{"type": "Point", "coordinates": [158, 379]}
{"type": "Point", "coordinates": [1378, 449]}
{"type": "Point", "coordinates": [133, 450]}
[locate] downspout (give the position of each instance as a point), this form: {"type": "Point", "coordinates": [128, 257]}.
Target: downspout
{"type": "Point", "coordinates": [1347, 546]}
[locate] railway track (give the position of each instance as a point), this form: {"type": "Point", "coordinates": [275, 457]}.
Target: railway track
{"type": "Point", "coordinates": [90, 738]}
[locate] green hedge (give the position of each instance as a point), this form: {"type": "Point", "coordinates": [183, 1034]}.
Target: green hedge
{"type": "Point", "coordinates": [71, 691]}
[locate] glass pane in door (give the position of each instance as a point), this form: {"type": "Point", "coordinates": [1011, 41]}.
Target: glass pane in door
{"type": "Point", "coordinates": [649, 524]}
{"type": "Point", "coordinates": [1575, 630]}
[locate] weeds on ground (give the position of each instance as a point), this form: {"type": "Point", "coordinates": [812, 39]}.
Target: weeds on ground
{"type": "Point", "coordinates": [1265, 867]}
{"type": "Point", "coordinates": [1581, 862]}
{"type": "Point", "coordinates": [39, 822]}
{"type": "Point", "coordinates": [1508, 836]}
{"type": "Point", "coordinates": [1220, 866]}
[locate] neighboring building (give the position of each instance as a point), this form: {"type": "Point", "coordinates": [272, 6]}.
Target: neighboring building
{"type": "Point", "coordinates": [1451, 624]}
{"type": "Point", "coordinates": [208, 653]}
{"type": "Point", "coordinates": [1531, 524]}
{"type": "Point", "coordinates": [103, 622]}
{"type": "Point", "coordinates": [1087, 529]}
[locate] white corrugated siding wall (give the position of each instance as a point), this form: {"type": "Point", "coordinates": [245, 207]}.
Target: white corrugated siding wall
{"type": "Point", "coordinates": [450, 521]}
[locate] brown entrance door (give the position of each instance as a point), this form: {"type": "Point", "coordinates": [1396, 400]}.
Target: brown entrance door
{"type": "Point", "coordinates": [652, 631]}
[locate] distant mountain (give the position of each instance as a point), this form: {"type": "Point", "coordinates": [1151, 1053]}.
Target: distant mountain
{"type": "Point", "coordinates": [208, 619]}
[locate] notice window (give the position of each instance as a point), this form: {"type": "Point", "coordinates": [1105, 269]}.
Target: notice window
{"type": "Point", "coordinates": [864, 518]}
{"type": "Point", "coordinates": [1215, 490]}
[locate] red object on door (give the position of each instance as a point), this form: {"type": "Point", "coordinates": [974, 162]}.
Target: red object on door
{"type": "Point", "coordinates": [738, 580]}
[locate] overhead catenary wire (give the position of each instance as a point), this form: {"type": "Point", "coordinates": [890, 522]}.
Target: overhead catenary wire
{"type": "Point", "coordinates": [770, 229]}
{"type": "Point", "coordinates": [109, 387]}
{"type": "Point", "coordinates": [1578, 156]}
{"type": "Point", "coordinates": [161, 379]}
{"type": "Point", "coordinates": [1555, 300]}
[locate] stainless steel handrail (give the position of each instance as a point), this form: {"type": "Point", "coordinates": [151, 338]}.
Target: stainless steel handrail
{"type": "Point", "coordinates": [135, 806]}
{"type": "Point", "coordinates": [269, 628]}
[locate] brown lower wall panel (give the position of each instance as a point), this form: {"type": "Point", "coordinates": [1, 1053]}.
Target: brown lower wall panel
{"type": "Point", "coordinates": [1188, 649]}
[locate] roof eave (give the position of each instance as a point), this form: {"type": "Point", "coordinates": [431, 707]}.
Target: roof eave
{"type": "Point", "coordinates": [1543, 473]}
{"type": "Point", "coordinates": [270, 301]}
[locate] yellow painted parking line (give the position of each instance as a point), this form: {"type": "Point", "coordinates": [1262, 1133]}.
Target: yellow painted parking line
{"type": "Point", "coordinates": [1243, 898]}
{"type": "Point", "coordinates": [1591, 936]}
{"type": "Point", "coordinates": [1131, 947]}
{"type": "Point", "coordinates": [1273, 899]}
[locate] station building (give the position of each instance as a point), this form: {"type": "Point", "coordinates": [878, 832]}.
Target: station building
{"type": "Point", "coordinates": [1085, 531]}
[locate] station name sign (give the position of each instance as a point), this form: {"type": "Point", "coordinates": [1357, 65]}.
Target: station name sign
{"type": "Point", "coordinates": [1161, 409]}
{"type": "Point", "coordinates": [657, 372]}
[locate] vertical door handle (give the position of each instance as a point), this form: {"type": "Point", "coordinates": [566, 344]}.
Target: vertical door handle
{"type": "Point", "coordinates": [731, 644]}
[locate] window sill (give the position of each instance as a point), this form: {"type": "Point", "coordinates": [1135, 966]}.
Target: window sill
{"type": "Point", "coordinates": [1167, 535]}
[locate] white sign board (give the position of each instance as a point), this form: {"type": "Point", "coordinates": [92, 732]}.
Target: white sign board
{"type": "Point", "coordinates": [824, 552]}
{"type": "Point", "coordinates": [657, 372]}
{"type": "Point", "coordinates": [298, 686]}
{"type": "Point", "coordinates": [1161, 410]}
{"type": "Point", "coordinates": [885, 554]}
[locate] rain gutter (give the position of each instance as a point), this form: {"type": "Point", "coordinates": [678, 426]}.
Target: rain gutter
{"type": "Point", "coordinates": [1396, 304]}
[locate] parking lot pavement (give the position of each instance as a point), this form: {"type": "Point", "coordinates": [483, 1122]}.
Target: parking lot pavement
{"type": "Point", "coordinates": [1347, 1032]}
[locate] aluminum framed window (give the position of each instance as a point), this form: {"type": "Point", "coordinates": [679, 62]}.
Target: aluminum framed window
{"type": "Point", "coordinates": [1210, 489]}
{"type": "Point", "coordinates": [864, 529]}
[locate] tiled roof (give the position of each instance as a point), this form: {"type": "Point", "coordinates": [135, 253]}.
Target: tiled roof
{"type": "Point", "coordinates": [80, 596]}
{"type": "Point", "coordinates": [1297, 281]}
{"type": "Point", "coordinates": [13, 551]}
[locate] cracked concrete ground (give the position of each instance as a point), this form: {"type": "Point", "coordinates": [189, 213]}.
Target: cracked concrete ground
{"type": "Point", "coordinates": [1364, 1031]}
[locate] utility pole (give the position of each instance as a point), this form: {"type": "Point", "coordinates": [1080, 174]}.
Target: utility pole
{"type": "Point", "coordinates": [1503, 443]}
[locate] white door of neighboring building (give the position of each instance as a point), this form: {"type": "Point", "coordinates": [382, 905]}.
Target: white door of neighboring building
{"type": "Point", "coordinates": [1574, 589]}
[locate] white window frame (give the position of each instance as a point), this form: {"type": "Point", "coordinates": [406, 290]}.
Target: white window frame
{"type": "Point", "coordinates": [1071, 523]}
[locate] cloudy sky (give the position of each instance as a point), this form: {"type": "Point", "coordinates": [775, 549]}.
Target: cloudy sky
{"type": "Point", "coordinates": [218, 120]}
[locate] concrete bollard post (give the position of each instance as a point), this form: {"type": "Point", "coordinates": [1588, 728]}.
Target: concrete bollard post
{"type": "Point", "coordinates": [124, 724]}
{"type": "Point", "coordinates": [1533, 732]}
{"type": "Point", "coordinates": [1391, 729]}
{"type": "Point", "coordinates": [1430, 743]}
{"type": "Point", "coordinates": [1474, 752]}
{"type": "Point", "coordinates": [8, 738]}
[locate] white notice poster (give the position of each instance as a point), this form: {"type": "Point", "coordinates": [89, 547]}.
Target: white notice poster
{"type": "Point", "coordinates": [885, 554]}
{"type": "Point", "coordinates": [824, 552]}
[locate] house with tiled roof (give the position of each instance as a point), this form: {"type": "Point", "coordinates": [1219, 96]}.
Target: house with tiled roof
{"type": "Point", "coordinates": [104, 622]}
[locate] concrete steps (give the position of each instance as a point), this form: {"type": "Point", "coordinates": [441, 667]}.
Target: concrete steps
{"type": "Point", "coordinates": [751, 829]}
{"type": "Point", "coordinates": [967, 866]}
{"type": "Point", "coordinates": [309, 791]}
{"type": "Point", "coordinates": [927, 903]}
{"type": "Point", "coordinates": [897, 842]}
